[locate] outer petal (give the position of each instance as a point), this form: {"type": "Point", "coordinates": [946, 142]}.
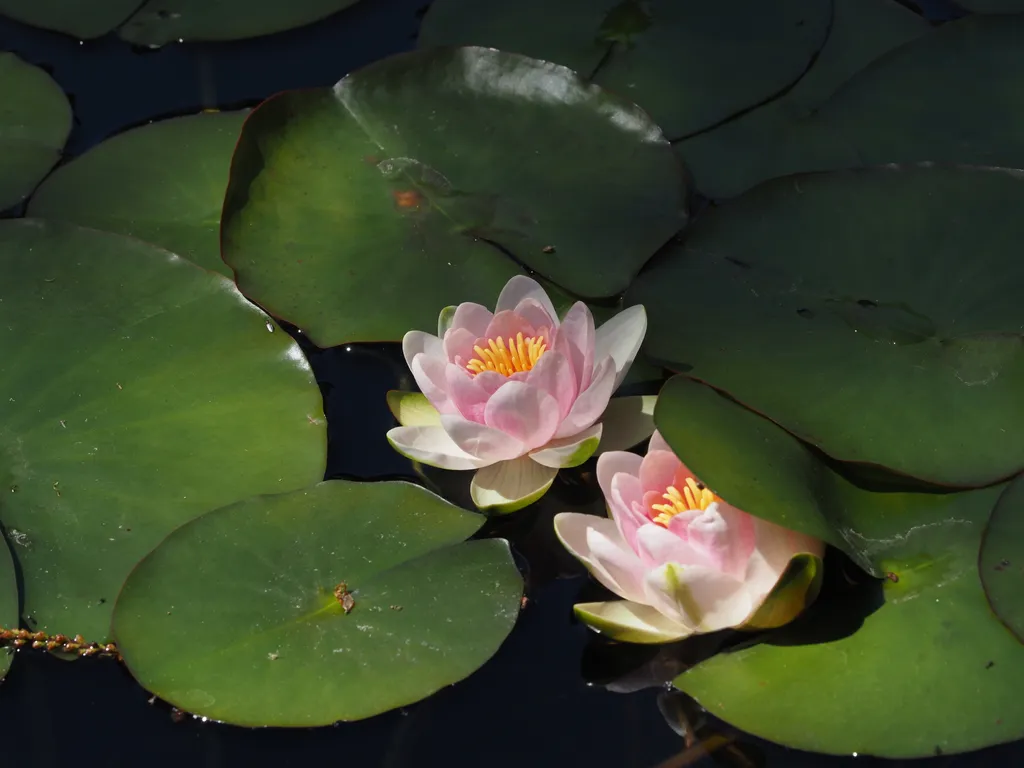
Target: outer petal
{"type": "Point", "coordinates": [774, 547]}
{"type": "Point", "coordinates": [433, 446]}
{"type": "Point", "coordinates": [412, 409]}
{"type": "Point", "coordinates": [471, 317]}
{"type": "Point", "coordinates": [658, 443]}
{"type": "Point", "coordinates": [569, 451]}
{"type": "Point", "coordinates": [486, 444]}
{"type": "Point", "coordinates": [524, 412]}
{"type": "Point", "coordinates": [419, 342]}
{"type": "Point", "coordinates": [575, 340]}
{"type": "Point", "coordinates": [595, 542]}
{"type": "Point", "coordinates": [627, 622]}
{"type": "Point", "coordinates": [428, 371]}
{"type": "Point", "coordinates": [510, 485]}
{"type": "Point", "coordinates": [522, 287]}
{"type": "Point", "coordinates": [591, 403]}
{"type": "Point", "coordinates": [628, 421]}
{"type": "Point", "coordinates": [445, 319]}
{"type": "Point", "coordinates": [612, 463]}
{"type": "Point", "coordinates": [700, 598]}
{"type": "Point", "coordinates": [621, 338]}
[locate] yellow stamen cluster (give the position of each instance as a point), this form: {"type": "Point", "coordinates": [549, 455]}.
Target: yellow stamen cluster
{"type": "Point", "coordinates": [520, 355]}
{"type": "Point", "coordinates": [694, 496]}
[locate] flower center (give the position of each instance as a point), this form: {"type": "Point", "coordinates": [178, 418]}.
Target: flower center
{"type": "Point", "coordinates": [694, 496]}
{"type": "Point", "coordinates": [521, 354]}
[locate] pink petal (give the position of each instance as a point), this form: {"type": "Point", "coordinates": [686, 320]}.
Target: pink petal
{"type": "Point", "coordinates": [591, 403]}
{"type": "Point", "coordinates": [468, 393]}
{"type": "Point", "coordinates": [481, 441]}
{"type": "Point", "coordinates": [658, 471]}
{"type": "Point", "coordinates": [624, 504]}
{"type": "Point", "coordinates": [575, 340]}
{"type": "Point", "coordinates": [611, 463]}
{"type": "Point", "coordinates": [524, 412]}
{"type": "Point", "coordinates": [774, 547]}
{"type": "Point", "coordinates": [620, 338]}
{"type": "Point", "coordinates": [553, 374]}
{"type": "Point", "coordinates": [703, 599]}
{"type": "Point", "coordinates": [742, 535]}
{"type": "Point", "coordinates": [458, 346]}
{"type": "Point", "coordinates": [657, 546]}
{"type": "Point", "coordinates": [520, 288]}
{"type": "Point", "coordinates": [431, 445]}
{"type": "Point", "coordinates": [474, 318]}
{"type": "Point", "coordinates": [595, 542]}
{"type": "Point", "coordinates": [533, 312]}
{"type": "Point", "coordinates": [710, 534]}
{"type": "Point", "coordinates": [506, 325]}
{"type": "Point", "coordinates": [428, 371]}
{"type": "Point", "coordinates": [657, 443]}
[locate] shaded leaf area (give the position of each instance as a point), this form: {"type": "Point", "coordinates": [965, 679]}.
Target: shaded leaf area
{"type": "Point", "coordinates": [8, 602]}
{"type": "Point", "coordinates": [872, 313]}
{"type": "Point", "coordinates": [336, 602]}
{"type": "Point", "coordinates": [35, 120]}
{"type": "Point", "coordinates": [690, 65]}
{"type": "Point", "coordinates": [1001, 562]}
{"type": "Point", "coordinates": [922, 635]}
{"type": "Point", "coordinates": [163, 183]}
{"type": "Point", "coordinates": [358, 213]}
{"type": "Point", "coordinates": [157, 22]}
{"type": "Point", "coordinates": [137, 391]}
{"type": "Point", "coordinates": [783, 136]}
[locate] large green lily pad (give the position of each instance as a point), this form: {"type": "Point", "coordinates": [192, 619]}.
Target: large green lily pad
{"type": "Point", "coordinates": [874, 313]}
{"type": "Point", "coordinates": [835, 681]}
{"type": "Point", "coordinates": [1001, 562]}
{"type": "Point", "coordinates": [782, 137]}
{"type": "Point", "coordinates": [157, 22]}
{"type": "Point", "coordinates": [359, 212]}
{"type": "Point", "coordinates": [35, 120]}
{"type": "Point", "coordinates": [137, 391]}
{"type": "Point", "coordinates": [689, 64]}
{"type": "Point", "coordinates": [163, 183]}
{"type": "Point", "coordinates": [901, 108]}
{"type": "Point", "coordinates": [8, 602]}
{"type": "Point", "coordinates": [333, 603]}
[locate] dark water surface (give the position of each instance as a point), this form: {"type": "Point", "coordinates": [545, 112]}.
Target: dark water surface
{"type": "Point", "coordinates": [530, 705]}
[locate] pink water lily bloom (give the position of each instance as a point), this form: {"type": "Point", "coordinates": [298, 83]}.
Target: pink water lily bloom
{"type": "Point", "coordinates": [514, 394]}
{"type": "Point", "coordinates": [683, 560]}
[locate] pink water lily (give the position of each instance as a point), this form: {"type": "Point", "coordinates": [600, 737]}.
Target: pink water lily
{"type": "Point", "coordinates": [683, 560]}
{"type": "Point", "coordinates": [518, 393]}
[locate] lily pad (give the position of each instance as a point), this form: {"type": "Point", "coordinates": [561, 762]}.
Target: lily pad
{"type": "Point", "coordinates": [924, 635]}
{"type": "Point", "coordinates": [137, 391]}
{"type": "Point", "coordinates": [873, 313]}
{"type": "Point", "coordinates": [358, 212]}
{"type": "Point", "coordinates": [333, 603]}
{"type": "Point", "coordinates": [35, 120]}
{"type": "Point", "coordinates": [163, 183]}
{"type": "Point", "coordinates": [8, 602]}
{"type": "Point", "coordinates": [899, 109]}
{"type": "Point", "coordinates": [156, 22]}
{"type": "Point", "coordinates": [782, 137]}
{"type": "Point", "coordinates": [159, 22]}
{"type": "Point", "coordinates": [689, 64]}
{"type": "Point", "coordinates": [1001, 562]}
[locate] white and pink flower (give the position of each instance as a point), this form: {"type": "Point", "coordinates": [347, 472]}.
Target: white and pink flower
{"type": "Point", "coordinates": [517, 394]}
{"type": "Point", "coordinates": [684, 561]}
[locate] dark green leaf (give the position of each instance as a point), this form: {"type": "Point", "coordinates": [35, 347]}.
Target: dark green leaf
{"type": "Point", "coordinates": [163, 183]}
{"type": "Point", "coordinates": [35, 120]}
{"type": "Point", "coordinates": [1002, 558]}
{"type": "Point", "coordinates": [332, 603]}
{"type": "Point", "coordinates": [137, 391]}
{"type": "Point", "coordinates": [359, 212]}
{"type": "Point", "coordinates": [875, 314]}
{"type": "Point", "coordinates": [8, 602]}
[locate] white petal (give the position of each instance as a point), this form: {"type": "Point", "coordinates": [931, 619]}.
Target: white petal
{"type": "Point", "coordinates": [415, 342]}
{"type": "Point", "coordinates": [702, 598]}
{"type": "Point", "coordinates": [485, 443]}
{"type": "Point", "coordinates": [569, 451]}
{"type": "Point", "coordinates": [591, 403]}
{"type": "Point", "coordinates": [412, 409]}
{"type": "Point", "coordinates": [628, 421]}
{"type": "Point", "coordinates": [433, 446]}
{"type": "Point", "coordinates": [621, 338]}
{"type": "Point", "coordinates": [627, 622]}
{"type": "Point", "coordinates": [611, 464]}
{"type": "Point", "coordinates": [522, 287]}
{"type": "Point", "coordinates": [510, 485]}
{"type": "Point", "coordinates": [597, 543]}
